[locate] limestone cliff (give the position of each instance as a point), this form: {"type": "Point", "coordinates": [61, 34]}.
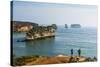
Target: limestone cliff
{"type": "Point", "coordinates": [41, 32]}
{"type": "Point", "coordinates": [21, 26]}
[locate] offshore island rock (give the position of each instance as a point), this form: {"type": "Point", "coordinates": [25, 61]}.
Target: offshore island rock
{"type": "Point", "coordinates": [75, 26]}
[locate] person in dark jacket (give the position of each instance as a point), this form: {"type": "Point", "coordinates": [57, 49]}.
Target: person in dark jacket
{"type": "Point", "coordinates": [79, 52]}
{"type": "Point", "coordinates": [71, 52]}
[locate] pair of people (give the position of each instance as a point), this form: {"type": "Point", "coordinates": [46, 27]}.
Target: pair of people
{"type": "Point", "coordinates": [79, 52]}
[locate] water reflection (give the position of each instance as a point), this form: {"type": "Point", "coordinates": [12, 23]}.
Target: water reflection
{"type": "Point", "coordinates": [35, 48]}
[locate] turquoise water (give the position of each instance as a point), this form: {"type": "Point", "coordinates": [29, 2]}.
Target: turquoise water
{"type": "Point", "coordinates": [64, 41]}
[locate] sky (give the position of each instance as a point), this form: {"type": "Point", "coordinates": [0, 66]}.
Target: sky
{"type": "Point", "coordinates": [53, 13]}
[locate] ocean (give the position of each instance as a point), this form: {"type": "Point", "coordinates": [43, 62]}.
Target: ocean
{"type": "Point", "coordinates": [64, 40]}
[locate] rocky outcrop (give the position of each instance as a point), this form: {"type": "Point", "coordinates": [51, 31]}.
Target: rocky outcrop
{"type": "Point", "coordinates": [41, 32]}
{"type": "Point", "coordinates": [54, 26]}
{"type": "Point", "coordinates": [37, 60]}
{"type": "Point", "coordinates": [20, 26]}
{"type": "Point", "coordinates": [66, 26]}
{"type": "Point", "coordinates": [75, 26]}
{"type": "Point", "coordinates": [33, 30]}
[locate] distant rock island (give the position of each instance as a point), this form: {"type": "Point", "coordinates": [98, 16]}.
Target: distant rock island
{"type": "Point", "coordinates": [33, 30]}
{"type": "Point", "coordinates": [75, 26]}
{"type": "Point", "coordinates": [66, 26]}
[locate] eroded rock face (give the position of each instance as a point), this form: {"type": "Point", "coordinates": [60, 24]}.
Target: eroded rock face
{"type": "Point", "coordinates": [20, 26]}
{"type": "Point", "coordinates": [33, 30]}
{"type": "Point", "coordinates": [41, 32]}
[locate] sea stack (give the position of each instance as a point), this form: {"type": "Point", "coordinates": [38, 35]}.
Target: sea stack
{"type": "Point", "coordinates": [66, 26]}
{"type": "Point", "coordinates": [75, 26]}
{"type": "Point", "coordinates": [41, 32]}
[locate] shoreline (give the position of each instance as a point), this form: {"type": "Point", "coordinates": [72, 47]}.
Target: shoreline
{"type": "Point", "coordinates": [40, 38]}
{"type": "Point", "coordinates": [37, 60]}
{"type": "Point", "coordinates": [27, 40]}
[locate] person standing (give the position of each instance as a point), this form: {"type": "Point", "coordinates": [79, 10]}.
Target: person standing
{"type": "Point", "coordinates": [79, 52]}
{"type": "Point", "coordinates": [71, 52]}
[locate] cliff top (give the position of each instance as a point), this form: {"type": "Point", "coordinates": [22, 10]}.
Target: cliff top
{"type": "Point", "coordinates": [24, 23]}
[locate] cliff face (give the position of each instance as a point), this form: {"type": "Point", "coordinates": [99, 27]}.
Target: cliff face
{"type": "Point", "coordinates": [41, 32]}
{"type": "Point", "coordinates": [33, 30]}
{"type": "Point", "coordinates": [19, 26]}
{"type": "Point", "coordinates": [75, 26]}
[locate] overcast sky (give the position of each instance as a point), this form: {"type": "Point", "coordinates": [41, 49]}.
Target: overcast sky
{"type": "Point", "coordinates": [60, 14]}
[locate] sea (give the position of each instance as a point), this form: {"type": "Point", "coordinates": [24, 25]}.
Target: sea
{"type": "Point", "coordinates": [65, 39]}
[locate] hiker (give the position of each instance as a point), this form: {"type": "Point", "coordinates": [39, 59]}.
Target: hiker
{"type": "Point", "coordinates": [79, 52]}
{"type": "Point", "coordinates": [71, 52]}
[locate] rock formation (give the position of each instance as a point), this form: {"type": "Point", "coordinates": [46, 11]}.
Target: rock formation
{"type": "Point", "coordinates": [75, 26]}
{"type": "Point", "coordinates": [33, 30]}
{"type": "Point", "coordinates": [66, 26]}
{"type": "Point", "coordinates": [41, 32]}
{"type": "Point", "coordinates": [20, 26]}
